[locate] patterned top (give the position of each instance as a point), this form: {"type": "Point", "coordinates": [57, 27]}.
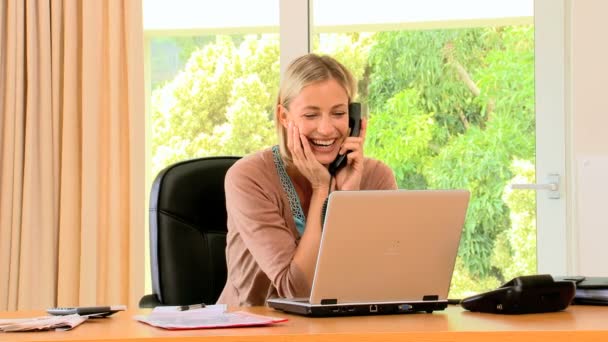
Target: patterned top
{"type": "Point", "coordinates": [290, 191]}
{"type": "Point", "coordinates": [262, 234]}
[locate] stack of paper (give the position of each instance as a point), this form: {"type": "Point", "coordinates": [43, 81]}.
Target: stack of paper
{"type": "Point", "coordinates": [66, 322]}
{"type": "Point", "coordinates": [212, 316]}
{"type": "Point", "coordinates": [589, 290]}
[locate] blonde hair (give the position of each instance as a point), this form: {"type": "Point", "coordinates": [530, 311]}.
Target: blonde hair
{"type": "Point", "coordinates": [302, 72]}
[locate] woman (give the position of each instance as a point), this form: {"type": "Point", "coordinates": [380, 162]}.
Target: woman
{"type": "Point", "coordinates": [275, 197]}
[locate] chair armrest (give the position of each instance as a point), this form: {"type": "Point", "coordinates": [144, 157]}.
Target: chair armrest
{"type": "Point", "coordinates": [149, 301]}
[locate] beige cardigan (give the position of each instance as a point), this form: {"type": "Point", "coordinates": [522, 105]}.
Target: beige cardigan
{"type": "Point", "coordinates": [262, 235]}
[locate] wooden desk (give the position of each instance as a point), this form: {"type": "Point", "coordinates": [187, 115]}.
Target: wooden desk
{"type": "Point", "coordinates": [577, 323]}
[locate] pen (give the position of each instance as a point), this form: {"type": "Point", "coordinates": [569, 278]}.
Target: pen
{"type": "Point", "coordinates": [190, 307]}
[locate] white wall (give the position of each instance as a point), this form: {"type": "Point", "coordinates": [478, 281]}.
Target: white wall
{"type": "Point", "coordinates": [588, 160]}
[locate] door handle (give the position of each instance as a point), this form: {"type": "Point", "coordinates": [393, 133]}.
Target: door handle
{"type": "Point", "coordinates": [552, 185]}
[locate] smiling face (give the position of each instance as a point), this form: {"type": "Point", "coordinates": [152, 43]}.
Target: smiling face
{"type": "Point", "coordinates": [320, 111]}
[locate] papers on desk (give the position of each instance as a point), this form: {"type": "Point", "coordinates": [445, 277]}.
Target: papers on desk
{"type": "Point", "coordinates": [66, 322]}
{"type": "Point", "coordinates": [597, 296]}
{"type": "Point", "coordinates": [211, 316]}
{"type": "Point", "coordinates": [589, 290]}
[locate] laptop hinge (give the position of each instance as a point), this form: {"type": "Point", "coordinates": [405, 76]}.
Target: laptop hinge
{"type": "Point", "coordinates": [329, 301]}
{"type": "Point", "coordinates": [430, 297]}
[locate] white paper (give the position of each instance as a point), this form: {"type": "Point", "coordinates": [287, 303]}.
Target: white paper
{"type": "Point", "coordinates": [66, 322]}
{"type": "Point", "coordinates": [207, 310]}
{"type": "Point", "coordinates": [213, 316]}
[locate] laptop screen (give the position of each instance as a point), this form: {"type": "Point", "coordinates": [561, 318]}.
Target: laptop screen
{"type": "Point", "coordinates": [389, 245]}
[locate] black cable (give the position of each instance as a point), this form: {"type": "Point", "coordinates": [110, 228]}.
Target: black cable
{"type": "Point", "coordinates": [454, 301]}
{"type": "Point", "coordinates": [324, 208]}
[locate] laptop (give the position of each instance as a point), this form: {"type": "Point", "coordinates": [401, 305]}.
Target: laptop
{"type": "Point", "coordinates": [384, 252]}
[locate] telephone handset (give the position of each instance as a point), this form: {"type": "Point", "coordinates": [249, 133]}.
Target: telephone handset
{"type": "Point", "coordinates": [354, 123]}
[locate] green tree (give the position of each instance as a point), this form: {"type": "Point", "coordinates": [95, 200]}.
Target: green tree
{"type": "Point", "coordinates": [516, 251]}
{"type": "Point", "coordinates": [221, 103]}
{"type": "Point", "coordinates": [452, 109]}
{"type": "Point", "coordinates": [352, 50]}
{"type": "Point", "coordinates": [448, 109]}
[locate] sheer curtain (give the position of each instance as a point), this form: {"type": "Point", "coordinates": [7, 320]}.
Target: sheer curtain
{"type": "Point", "coordinates": [71, 153]}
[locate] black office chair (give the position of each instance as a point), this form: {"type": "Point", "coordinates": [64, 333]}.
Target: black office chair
{"type": "Point", "coordinates": [188, 233]}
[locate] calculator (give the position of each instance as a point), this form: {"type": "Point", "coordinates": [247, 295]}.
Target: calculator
{"type": "Point", "coordinates": [91, 311]}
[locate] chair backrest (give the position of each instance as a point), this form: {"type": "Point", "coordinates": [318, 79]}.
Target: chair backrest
{"type": "Point", "coordinates": [188, 231]}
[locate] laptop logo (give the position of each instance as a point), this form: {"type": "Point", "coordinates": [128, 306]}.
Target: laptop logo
{"type": "Point", "coordinates": [394, 248]}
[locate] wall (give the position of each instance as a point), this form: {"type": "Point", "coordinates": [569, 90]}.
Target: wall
{"type": "Point", "coordinates": [588, 158]}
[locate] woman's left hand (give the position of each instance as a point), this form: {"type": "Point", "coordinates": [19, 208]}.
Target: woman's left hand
{"type": "Point", "coordinates": [349, 177]}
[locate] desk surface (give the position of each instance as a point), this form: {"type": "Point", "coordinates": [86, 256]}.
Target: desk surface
{"type": "Point", "coordinates": [577, 323]}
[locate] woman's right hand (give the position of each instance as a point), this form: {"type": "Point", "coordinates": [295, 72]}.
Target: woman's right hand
{"type": "Point", "coordinates": [305, 160]}
{"type": "Point", "coordinates": [307, 164]}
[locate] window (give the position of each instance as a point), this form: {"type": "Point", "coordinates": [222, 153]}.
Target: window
{"type": "Point", "coordinates": [212, 74]}
{"type": "Point", "coordinates": [449, 88]}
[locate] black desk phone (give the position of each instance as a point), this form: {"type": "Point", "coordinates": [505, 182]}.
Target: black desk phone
{"type": "Point", "coordinates": [354, 123]}
{"type": "Point", "coordinates": [525, 294]}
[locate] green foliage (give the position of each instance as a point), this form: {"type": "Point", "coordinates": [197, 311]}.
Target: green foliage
{"type": "Point", "coordinates": [448, 109]}
{"type": "Point", "coordinates": [221, 103]}
{"type": "Point", "coordinates": [465, 284]}
{"type": "Point", "coordinates": [517, 253]}
{"type": "Point", "coordinates": [452, 109]}
{"type": "Point", "coordinates": [401, 136]}
{"type": "Point", "coordinates": [352, 50]}
{"type": "Point", "coordinates": [424, 60]}
{"type": "Point", "coordinates": [475, 161]}
{"type": "Point", "coordinates": [248, 127]}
